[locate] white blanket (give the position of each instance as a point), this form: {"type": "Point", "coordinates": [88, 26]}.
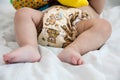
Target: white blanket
{"type": "Point", "coordinates": [103, 64]}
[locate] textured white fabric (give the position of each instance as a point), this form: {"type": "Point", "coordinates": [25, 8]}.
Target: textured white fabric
{"type": "Point", "coordinates": [103, 64]}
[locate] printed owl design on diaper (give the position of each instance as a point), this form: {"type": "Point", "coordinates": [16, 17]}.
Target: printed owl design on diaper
{"type": "Point", "coordinates": [73, 16]}
{"type": "Point", "coordinates": [52, 35]}
{"type": "Point", "coordinates": [71, 34]}
{"type": "Point", "coordinates": [85, 16]}
{"type": "Point", "coordinates": [52, 19]}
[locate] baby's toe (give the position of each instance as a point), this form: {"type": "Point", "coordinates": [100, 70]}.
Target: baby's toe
{"type": "Point", "coordinates": [8, 58]}
{"type": "Point", "coordinates": [76, 60]}
{"type": "Point", "coordinates": [12, 60]}
{"type": "Point", "coordinates": [80, 61]}
{"type": "Point", "coordinates": [5, 57]}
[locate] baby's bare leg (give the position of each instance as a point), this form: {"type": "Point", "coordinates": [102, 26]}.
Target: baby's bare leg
{"type": "Point", "coordinates": [26, 21]}
{"type": "Point", "coordinates": [92, 34]}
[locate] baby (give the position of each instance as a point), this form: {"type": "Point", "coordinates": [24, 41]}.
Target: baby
{"type": "Point", "coordinates": [78, 31]}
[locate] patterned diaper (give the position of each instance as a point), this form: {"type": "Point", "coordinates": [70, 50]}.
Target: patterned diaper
{"type": "Point", "coordinates": [59, 28]}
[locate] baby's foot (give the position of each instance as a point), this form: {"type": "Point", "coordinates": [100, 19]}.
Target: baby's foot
{"type": "Point", "coordinates": [22, 54]}
{"type": "Point", "coordinates": [71, 56]}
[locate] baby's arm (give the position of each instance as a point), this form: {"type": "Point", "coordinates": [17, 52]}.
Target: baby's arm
{"type": "Point", "coordinates": [97, 5]}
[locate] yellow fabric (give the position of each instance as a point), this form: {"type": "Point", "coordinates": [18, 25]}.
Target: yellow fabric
{"type": "Point", "coordinates": [74, 3]}
{"type": "Point", "coordinates": [29, 3]}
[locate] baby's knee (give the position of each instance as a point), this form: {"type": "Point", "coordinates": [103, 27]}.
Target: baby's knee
{"type": "Point", "coordinates": [103, 26]}
{"type": "Point", "coordinates": [24, 13]}
{"type": "Point", "coordinates": [106, 26]}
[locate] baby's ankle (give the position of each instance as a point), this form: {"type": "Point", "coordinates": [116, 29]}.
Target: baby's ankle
{"type": "Point", "coordinates": [31, 46]}
{"type": "Point", "coordinates": [72, 48]}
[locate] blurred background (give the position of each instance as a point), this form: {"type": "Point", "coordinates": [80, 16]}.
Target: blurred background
{"type": "Point", "coordinates": [6, 7]}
